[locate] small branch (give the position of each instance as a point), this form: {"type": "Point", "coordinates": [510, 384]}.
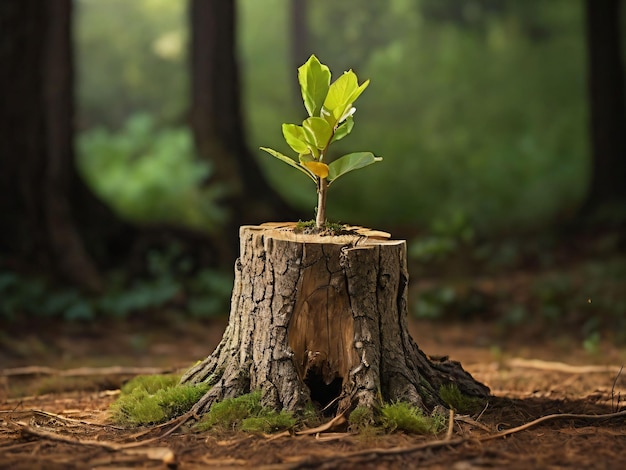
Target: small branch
{"type": "Point", "coordinates": [46, 414]}
{"type": "Point", "coordinates": [472, 422]}
{"type": "Point", "coordinates": [560, 366]}
{"type": "Point", "coordinates": [26, 429]}
{"type": "Point", "coordinates": [450, 425]}
{"type": "Point", "coordinates": [553, 417]}
{"type": "Point", "coordinates": [163, 454]}
{"type": "Point", "coordinates": [83, 371]}
{"type": "Point", "coordinates": [379, 452]}
{"type": "Point", "coordinates": [615, 407]}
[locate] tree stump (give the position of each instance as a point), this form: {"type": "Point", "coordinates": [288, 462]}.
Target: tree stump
{"type": "Point", "coordinates": [323, 319]}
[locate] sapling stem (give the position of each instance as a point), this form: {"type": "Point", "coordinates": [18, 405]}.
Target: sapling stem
{"type": "Point", "coordinates": [322, 188]}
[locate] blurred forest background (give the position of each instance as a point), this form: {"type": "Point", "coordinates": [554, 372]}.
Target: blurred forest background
{"type": "Point", "coordinates": [131, 133]}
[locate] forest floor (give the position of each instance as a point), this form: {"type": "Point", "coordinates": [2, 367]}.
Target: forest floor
{"type": "Point", "coordinates": [57, 383]}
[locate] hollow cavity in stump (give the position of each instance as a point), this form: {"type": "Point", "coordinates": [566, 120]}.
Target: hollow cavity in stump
{"type": "Point", "coordinates": [323, 319]}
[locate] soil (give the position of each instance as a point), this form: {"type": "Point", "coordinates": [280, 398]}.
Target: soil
{"type": "Point", "coordinates": [57, 383]}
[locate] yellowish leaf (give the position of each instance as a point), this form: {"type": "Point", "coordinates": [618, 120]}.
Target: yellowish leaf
{"type": "Point", "coordinates": [317, 168]}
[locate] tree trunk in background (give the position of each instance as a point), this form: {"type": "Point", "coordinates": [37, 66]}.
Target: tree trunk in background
{"type": "Point", "coordinates": [299, 40]}
{"type": "Point", "coordinates": [323, 319]}
{"type": "Point", "coordinates": [607, 103]}
{"type": "Point", "coordinates": [41, 195]}
{"type": "Point", "coordinates": [216, 116]}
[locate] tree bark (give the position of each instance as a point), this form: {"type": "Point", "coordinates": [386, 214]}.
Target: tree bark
{"type": "Point", "coordinates": [607, 104]}
{"type": "Point", "coordinates": [323, 319]}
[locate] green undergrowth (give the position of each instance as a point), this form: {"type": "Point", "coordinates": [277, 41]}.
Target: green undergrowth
{"type": "Point", "coordinates": [154, 399]}
{"type": "Point", "coordinates": [405, 417]}
{"type": "Point", "coordinates": [245, 413]}
{"type": "Point", "coordinates": [551, 283]}
{"type": "Point", "coordinates": [395, 417]}
{"type": "Point", "coordinates": [170, 279]}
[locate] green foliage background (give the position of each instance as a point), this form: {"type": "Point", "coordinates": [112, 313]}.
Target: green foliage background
{"type": "Point", "coordinates": [130, 57]}
{"type": "Point", "coordinates": [479, 118]}
{"type": "Point", "coordinates": [478, 107]}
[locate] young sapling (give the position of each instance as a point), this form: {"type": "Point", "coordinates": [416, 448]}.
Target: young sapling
{"type": "Point", "coordinates": [331, 109]}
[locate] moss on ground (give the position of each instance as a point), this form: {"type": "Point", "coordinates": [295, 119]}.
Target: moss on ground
{"type": "Point", "coordinates": [157, 398]}
{"type": "Point", "coordinates": [152, 399]}
{"type": "Point", "coordinates": [392, 417]}
{"type": "Point", "coordinates": [401, 416]}
{"type": "Point", "coordinates": [245, 413]}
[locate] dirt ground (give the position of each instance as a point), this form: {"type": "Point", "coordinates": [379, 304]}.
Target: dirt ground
{"type": "Point", "coordinates": [57, 384]}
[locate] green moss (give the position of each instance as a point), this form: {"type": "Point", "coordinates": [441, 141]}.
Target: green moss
{"type": "Point", "coordinates": [269, 421]}
{"type": "Point", "coordinates": [178, 400]}
{"type": "Point", "coordinates": [154, 399]}
{"type": "Point", "coordinates": [150, 383]}
{"type": "Point", "coordinates": [452, 396]}
{"type": "Point", "coordinates": [361, 418]}
{"type": "Point", "coordinates": [302, 226]}
{"type": "Point", "coordinates": [245, 413]}
{"type": "Point", "coordinates": [401, 416]}
{"type": "Point", "coordinates": [229, 413]}
{"type": "Point", "coordinates": [328, 228]}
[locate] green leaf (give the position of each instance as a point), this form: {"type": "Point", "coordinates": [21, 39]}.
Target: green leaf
{"type": "Point", "coordinates": [341, 94]}
{"type": "Point", "coordinates": [318, 132]}
{"type": "Point", "coordinates": [306, 157]}
{"type": "Point", "coordinates": [289, 161]}
{"type": "Point", "coordinates": [295, 137]}
{"type": "Point", "coordinates": [358, 91]}
{"type": "Point", "coordinates": [344, 129]}
{"type": "Point", "coordinates": [314, 78]}
{"type": "Point", "coordinates": [350, 162]}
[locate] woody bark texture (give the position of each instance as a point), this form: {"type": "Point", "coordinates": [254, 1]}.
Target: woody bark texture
{"type": "Point", "coordinates": [323, 319]}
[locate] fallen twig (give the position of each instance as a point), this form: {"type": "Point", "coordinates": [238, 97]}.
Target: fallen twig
{"type": "Point", "coordinates": [25, 428]}
{"type": "Point", "coordinates": [84, 371]}
{"type": "Point", "coordinates": [472, 422]}
{"type": "Point", "coordinates": [47, 414]}
{"type": "Point", "coordinates": [163, 454]}
{"type": "Point", "coordinates": [332, 424]}
{"type": "Point", "coordinates": [45, 396]}
{"type": "Point", "coordinates": [380, 452]}
{"type": "Point", "coordinates": [616, 407]}
{"type": "Point", "coordinates": [174, 423]}
{"type": "Point", "coordinates": [560, 366]}
{"type": "Point", "coordinates": [450, 425]}
{"type": "Point", "coordinates": [543, 419]}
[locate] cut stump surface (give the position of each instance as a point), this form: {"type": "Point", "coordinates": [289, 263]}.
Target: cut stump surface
{"type": "Point", "coordinates": [323, 319]}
